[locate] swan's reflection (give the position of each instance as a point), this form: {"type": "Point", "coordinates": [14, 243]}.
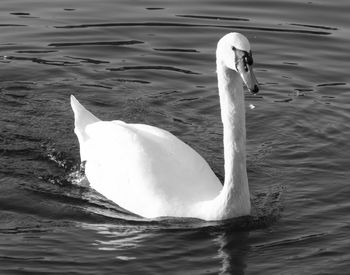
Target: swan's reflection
{"type": "Point", "coordinates": [194, 250]}
{"type": "Point", "coordinates": [233, 249]}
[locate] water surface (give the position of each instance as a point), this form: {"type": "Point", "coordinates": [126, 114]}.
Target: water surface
{"type": "Point", "coordinates": [154, 62]}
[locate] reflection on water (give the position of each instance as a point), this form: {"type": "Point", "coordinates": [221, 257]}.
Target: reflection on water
{"type": "Point", "coordinates": [175, 247]}
{"type": "Point", "coordinates": [170, 243]}
{"type": "Point", "coordinates": [232, 252]}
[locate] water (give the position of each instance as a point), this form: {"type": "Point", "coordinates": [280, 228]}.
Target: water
{"type": "Point", "coordinates": [153, 62]}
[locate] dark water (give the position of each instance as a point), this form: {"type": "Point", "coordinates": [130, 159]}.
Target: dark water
{"type": "Point", "coordinates": [153, 62]}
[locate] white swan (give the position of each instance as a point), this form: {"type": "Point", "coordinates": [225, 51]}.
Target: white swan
{"type": "Point", "coordinates": [152, 173]}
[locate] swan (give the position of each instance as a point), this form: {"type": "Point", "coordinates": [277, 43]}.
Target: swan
{"type": "Point", "coordinates": [150, 172]}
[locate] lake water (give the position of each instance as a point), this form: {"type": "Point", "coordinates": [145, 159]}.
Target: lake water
{"type": "Point", "coordinates": [154, 62]}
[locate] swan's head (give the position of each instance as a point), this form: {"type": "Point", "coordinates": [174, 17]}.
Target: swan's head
{"type": "Point", "coordinates": [234, 52]}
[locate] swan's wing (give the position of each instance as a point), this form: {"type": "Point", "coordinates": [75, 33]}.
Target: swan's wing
{"type": "Point", "coordinates": [144, 169]}
{"type": "Point", "coordinates": [147, 170]}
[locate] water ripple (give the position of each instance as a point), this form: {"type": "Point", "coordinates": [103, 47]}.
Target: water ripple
{"type": "Point", "coordinates": [291, 241]}
{"type": "Point", "coordinates": [89, 60]}
{"type": "Point", "coordinates": [331, 84]}
{"type": "Point", "coordinates": [98, 43]}
{"type": "Point", "coordinates": [12, 25]}
{"type": "Point", "coordinates": [182, 25]}
{"type": "Point", "coordinates": [176, 50]}
{"type": "Point", "coordinates": [20, 13]}
{"type": "Point", "coordinates": [43, 61]}
{"type": "Point", "coordinates": [96, 86]}
{"type": "Point", "coordinates": [36, 51]}
{"type": "Point", "coordinates": [159, 68]}
{"type": "Point", "coordinates": [315, 26]}
{"type": "Point", "coordinates": [212, 17]}
{"type": "Point", "coordinates": [133, 81]}
{"type": "Point", "coordinates": [141, 24]}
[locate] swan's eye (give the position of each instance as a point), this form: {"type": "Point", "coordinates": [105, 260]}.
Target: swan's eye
{"type": "Point", "coordinates": [248, 59]}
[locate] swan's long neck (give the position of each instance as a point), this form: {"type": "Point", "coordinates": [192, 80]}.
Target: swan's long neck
{"type": "Point", "coordinates": [234, 198]}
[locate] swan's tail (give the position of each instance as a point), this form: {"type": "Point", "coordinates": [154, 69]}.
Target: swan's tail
{"type": "Point", "coordinates": [82, 118]}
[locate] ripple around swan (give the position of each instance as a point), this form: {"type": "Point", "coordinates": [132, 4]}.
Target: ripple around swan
{"type": "Point", "coordinates": [70, 187]}
{"type": "Point", "coordinates": [292, 242]}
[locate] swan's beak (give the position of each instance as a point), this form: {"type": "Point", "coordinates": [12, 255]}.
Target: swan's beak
{"type": "Point", "coordinates": [249, 79]}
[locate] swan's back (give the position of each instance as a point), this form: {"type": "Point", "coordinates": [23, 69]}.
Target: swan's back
{"type": "Point", "coordinates": [144, 169]}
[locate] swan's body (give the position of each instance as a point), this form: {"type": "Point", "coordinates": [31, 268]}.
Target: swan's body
{"type": "Point", "coordinates": [152, 173]}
